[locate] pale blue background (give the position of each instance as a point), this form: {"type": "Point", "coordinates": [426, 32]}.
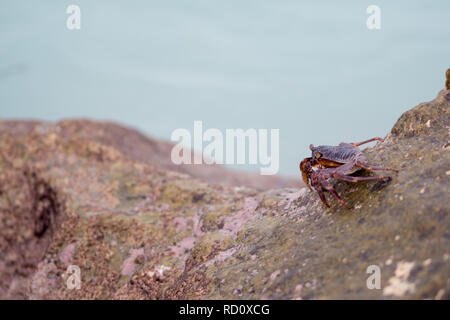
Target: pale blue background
{"type": "Point", "coordinates": [311, 69]}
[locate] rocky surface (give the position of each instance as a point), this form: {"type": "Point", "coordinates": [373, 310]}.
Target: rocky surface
{"type": "Point", "coordinates": [139, 147]}
{"type": "Point", "coordinates": [72, 193]}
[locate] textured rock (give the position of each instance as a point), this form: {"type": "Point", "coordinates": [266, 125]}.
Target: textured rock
{"type": "Point", "coordinates": [140, 231]}
{"type": "Point", "coordinates": [144, 149]}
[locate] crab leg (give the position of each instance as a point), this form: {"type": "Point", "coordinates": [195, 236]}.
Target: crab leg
{"type": "Point", "coordinates": [371, 168]}
{"type": "Point", "coordinates": [322, 196]}
{"type": "Point", "coordinates": [356, 144]}
{"type": "Point", "coordinates": [343, 177]}
{"type": "Point", "coordinates": [329, 187]}
{"type": "Point", "coordinates": [305, 176]}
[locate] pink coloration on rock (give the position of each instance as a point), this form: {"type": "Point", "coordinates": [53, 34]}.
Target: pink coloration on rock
{"type": "Point", "coordinates": [274, 275]}
{"type": "Point", "coordinates": [233, 224]}
{"type": "Point", "coordinates": [181, 247]}
{"type": "Point", "coordinates": [290, 197]}
{"type": "Point", "coordinates": [128, 265]}
{"type": "Point", "coordinates": [182, 224]}
{"type": "Point", "coordinates": [163, 207]}
{"type": "Point", "coordinates": [41, 284]}
{"type": "Point", "coordinates": [66, 255]}
{"type": "Point", "coordinates": [221, 256]}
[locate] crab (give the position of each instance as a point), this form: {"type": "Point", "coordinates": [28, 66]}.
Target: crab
{"type": "Point", "coordinates": [337, 162]}
{"type": "Point", "coordinates": [447, 83]}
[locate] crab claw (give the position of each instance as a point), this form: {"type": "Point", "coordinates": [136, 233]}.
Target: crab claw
{"type": "Point", "coordinates": [304, 171]}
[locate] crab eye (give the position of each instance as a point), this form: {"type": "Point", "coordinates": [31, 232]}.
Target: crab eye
{"type": "Point", "coordinates": [317, 155]}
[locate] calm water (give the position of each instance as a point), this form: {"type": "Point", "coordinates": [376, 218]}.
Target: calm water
{"type": "Point", "coordinates": [311, 69]}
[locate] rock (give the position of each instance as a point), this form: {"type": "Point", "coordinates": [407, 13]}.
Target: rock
{"type": "Point", "coordinates": [139, 230]}
{"type": "Point", "coordinates": [114, 137]}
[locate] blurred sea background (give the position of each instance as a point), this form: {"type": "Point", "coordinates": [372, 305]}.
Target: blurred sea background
{"type": "Point", "coordinates": [309, 68]}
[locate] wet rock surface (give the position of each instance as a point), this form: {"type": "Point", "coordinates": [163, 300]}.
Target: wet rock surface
{"type": "Point", "coordinates": [138, 230]}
